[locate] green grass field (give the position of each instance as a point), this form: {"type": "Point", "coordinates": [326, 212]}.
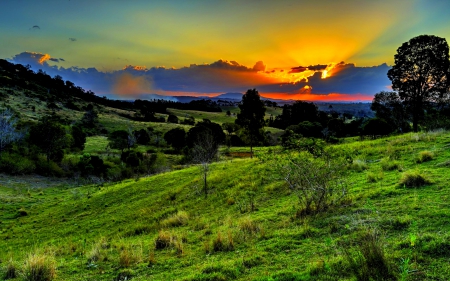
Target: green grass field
{"type": "Point", "coordinates": [162, 228]}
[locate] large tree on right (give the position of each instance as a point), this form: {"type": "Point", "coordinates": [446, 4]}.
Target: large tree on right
{"type": "Point", "coordinates": [420, 73]}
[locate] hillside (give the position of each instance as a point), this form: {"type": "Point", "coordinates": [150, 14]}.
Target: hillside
{"type": "Point", "coordinates": [162, 228]}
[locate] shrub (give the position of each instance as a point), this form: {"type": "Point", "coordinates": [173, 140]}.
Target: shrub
{"type": "Point", "coordinates": [16, 164]}
{"type": "Point", "coordinates": [317, 182]}
{"type": "Point", "coordinates": [39, 267]}
{"type": "Point", "coordinates": [413, 179]}
{"type": "Point", "coordinates": [178, 219]}
{"type": "Point", "coordinates": [424, 156]}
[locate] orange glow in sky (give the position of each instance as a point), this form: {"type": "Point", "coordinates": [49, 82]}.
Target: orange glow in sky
{"type": "Point", "coordinates": [324, 98]}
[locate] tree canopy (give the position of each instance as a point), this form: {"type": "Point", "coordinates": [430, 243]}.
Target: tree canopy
{"type": "Point", "coordinates": [251, 115]}
{"type": "Point", "coordinates": [420, 73]}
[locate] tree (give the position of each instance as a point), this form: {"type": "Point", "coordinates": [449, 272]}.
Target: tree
{"type": "Point", "coordinates": [79, 137]}
{"type": "Point", "coordinates": [251, 115]}
{"type": "Point", "coordinates": [8, 133]}
{"type": "Point", "coordinates": [50, 137]}
{"type": "Point", "coordinates": [203, 152]}
{"type": "Point", "coordinates": [388, 106]}
{"type": "Point", "coordinates": [118, 140]}
{"type": "Point", "coordinates": [172, 119]}
{"type": "Point", "coordinates": [420, 73]}
{"type": "Point", "coordinates": [176, 138]}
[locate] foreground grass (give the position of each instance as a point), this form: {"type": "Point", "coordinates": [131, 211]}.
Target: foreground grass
{"type": "Point", "coordinates": [162, 228]}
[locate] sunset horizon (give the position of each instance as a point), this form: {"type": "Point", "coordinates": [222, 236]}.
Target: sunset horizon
{"type": "Point", "coordinates": [289, 50]}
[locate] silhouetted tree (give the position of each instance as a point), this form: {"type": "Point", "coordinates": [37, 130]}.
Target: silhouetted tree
{"type": "Point", "coordinates": [50, 137]}
{"type": "Point", "coordinates": [205, 149]}
{"type": "Point", "coordinates": [118, 140]}
{"type": "Point", "coordinates": [176, 138]}
{"type": "Point", "coordinates": [251, 115]}
{"type": "Point", "coordinates": [79, 137]}
{"type": "Point", "coordinates": [420, 73]}
{"type": "Point", "coordinates": [172, 119]}
{"type": "Point", "coordinates": [388, 106]}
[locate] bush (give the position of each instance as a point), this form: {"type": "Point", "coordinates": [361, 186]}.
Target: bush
{"type": "Point", "coordinates": [424, 156]}
{"type": "Point", "coordinates": [16, 164]}
{"type": "Point", "coordinates": [39, 267]}
{"type": "Point", "coordinates": [248, 226]}
{"type": "Point", "coordinates": [413, 179]}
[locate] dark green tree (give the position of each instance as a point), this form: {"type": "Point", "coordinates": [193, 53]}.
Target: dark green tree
{"type": "Point", "coordinates": [420, 73]}
{"type": "Point", "coordinates": [388, 106]}
{"type": "Point", "coordinates": [118, 140]}
{"type": "Point", "coordinates": [79, 137]}
{"type": "Point", "coordinates": [176, 138]}
{"type": "Point", "coordinates": [50, 138]}
{"type": "Point", "coordinates": [251, 115]}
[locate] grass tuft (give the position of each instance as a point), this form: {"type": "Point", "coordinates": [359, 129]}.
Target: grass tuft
{"type": "Point", "coordinates": [424, 156]}
{"type": "Point", "coordinates": [11, 270]}
{"type": "Point", "coordinates": [39, 267]}
{"type": "Point", "coordinates": [413, 179]}
{"type": "Point", "coordinates": [178, 219]}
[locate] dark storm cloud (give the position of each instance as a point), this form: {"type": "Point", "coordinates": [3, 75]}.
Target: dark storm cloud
{"type": "Point", "coordinates": [53, 59]}
{"type": "Point", "coordinates": [298, 69]}
{"type": "Point", "coordinates": [317, 67]}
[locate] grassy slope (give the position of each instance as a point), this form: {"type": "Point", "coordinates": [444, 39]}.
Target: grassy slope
{"type": "Point", "coordinates": [123, 220]}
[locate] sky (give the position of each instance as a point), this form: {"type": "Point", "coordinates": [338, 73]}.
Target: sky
{"type": "Point", "coordinates": [323, 50]}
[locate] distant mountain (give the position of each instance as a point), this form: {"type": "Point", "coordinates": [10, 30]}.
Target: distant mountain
{"type": "Point", "coordinates": [233, 96]}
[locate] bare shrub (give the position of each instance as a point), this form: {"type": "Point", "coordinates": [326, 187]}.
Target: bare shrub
{"type": "Point", "coordinates": [318, 182]}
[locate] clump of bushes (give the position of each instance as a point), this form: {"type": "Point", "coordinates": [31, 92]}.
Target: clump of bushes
{"type": "Point", "coordinates": [221, 244]}
{"type": "Point", "coordinates": [413, 179]}
{"type": "Point", "coordinates": [425, 156]}
{"type": "Point", "coordinates": [39, 267]}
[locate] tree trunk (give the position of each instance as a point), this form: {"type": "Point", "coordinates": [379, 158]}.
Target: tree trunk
{"type": "Point", "coordinates": [251, 146]}
{"type": "Point", "coordinates": [205, 186]}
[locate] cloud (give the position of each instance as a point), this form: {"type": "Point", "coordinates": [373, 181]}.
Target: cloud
{"type": "Point", "coordinates": [35, 27]}
{"type": "Point", "coordinates": [259, 66]}
{"type": "Point", "coordinates": [127, 85]}
{"type": "Point", "coordinates": [218, 77]}
{"type": "Point", "coordinates": [72, 39]}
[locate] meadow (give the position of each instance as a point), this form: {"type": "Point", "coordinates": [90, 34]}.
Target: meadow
{"type": "Point", "coordinates": [162, 227]}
